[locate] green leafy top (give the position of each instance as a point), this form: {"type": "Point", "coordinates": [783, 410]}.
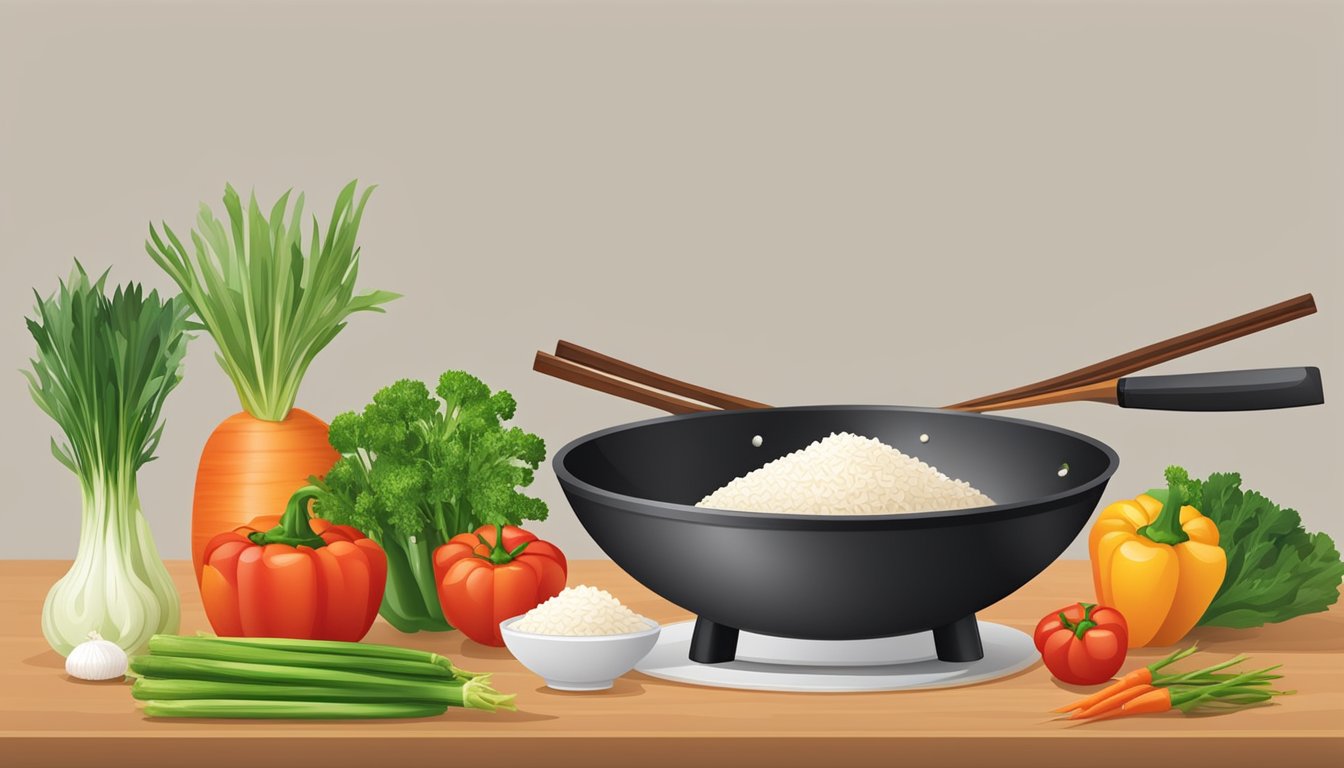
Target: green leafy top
{"type": "Point", "coordinates": [413, 464]}
{"type": "Point", "coordinates": [1276, 570]}
{"type": "Point", "coordinates": [103, 369]}
{"type": "Point", "coordinates": [270, 306]}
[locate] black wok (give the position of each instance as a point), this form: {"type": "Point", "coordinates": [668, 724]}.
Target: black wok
{"type": "Point", "coordinates": [634, 488]}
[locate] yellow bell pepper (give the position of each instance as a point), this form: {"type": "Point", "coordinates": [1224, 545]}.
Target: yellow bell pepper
{"type": "Point", "coordinates": [1158, 564]}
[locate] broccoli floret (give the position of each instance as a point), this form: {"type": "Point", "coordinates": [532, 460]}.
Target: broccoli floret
{"type": "Point", "coordinates": [503, 404]}
{"type": "Point", "coordinates": [343, 434]}
{"type": "Point", "coordinates": [416, 470]}
{"type": "Point", "coordinates": [394, 424]}
{"type": "Point", "coordinates": [460, 387]}
{"type": "Point", "coordinates": [400, 490]}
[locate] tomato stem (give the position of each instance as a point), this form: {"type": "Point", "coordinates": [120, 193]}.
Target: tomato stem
{"type": "Point", "coordinates": [499, 555]}
{"type": "Point", "coordinates": [1079, 629]}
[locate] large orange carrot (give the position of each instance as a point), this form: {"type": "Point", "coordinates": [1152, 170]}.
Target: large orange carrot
{"type": "Point", "coordinates": [250, 467]}
{"type": "Point", "coordinates": [271, 302]}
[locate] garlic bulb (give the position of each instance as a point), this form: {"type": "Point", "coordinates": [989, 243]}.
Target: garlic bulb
{"type": "Point", "coordinates": [96, 659]}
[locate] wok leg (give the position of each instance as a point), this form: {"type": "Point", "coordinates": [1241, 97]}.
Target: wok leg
{"type": "Point", "coordinates": [714, 643]}
{"type": "Point", "coordinates": [958, 641]}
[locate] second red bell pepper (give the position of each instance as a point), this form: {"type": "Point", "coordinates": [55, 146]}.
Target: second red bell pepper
{"type": "Point", "coordinates": [493, 574]}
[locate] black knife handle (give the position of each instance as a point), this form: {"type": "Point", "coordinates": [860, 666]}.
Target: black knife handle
{"type": "Point", "coordinates": [1253, 390]}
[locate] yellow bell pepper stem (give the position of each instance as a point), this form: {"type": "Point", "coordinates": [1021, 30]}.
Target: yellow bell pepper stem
{"type": "Point", "coordinates": [1166, 529]}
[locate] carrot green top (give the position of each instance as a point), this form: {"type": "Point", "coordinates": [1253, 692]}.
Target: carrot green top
{"type": "Point", "coordinates": [270, 304]}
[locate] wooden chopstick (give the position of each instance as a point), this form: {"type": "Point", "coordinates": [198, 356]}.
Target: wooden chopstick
{"type": "Point", "coordinates": [1101, 392]}
{"type": "Point", "coordinates": [604, 382]}
{"type": "Point", "coordinates": [598, 361]}
{"type": "Point", "coordinates": [1153, 354]}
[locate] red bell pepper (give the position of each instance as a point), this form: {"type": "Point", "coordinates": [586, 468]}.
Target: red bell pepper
{"type": "Point", "coordinates": [493, 574]}
{"type": "Point", "coordinates": [303, 578]}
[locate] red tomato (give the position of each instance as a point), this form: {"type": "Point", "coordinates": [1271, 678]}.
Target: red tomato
{"type": "Point", "coordinates": [1083, 644]}
{"type": "Point", "coordinates": [488, 576]}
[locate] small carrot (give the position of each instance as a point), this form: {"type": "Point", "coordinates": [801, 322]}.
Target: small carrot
{"type": "Point", "coordinates": [1140, 676]}
{"type": "Point", "coordinates": [1113, 702]}
{"type": "Point", "coordinates": [1156, 700]}
{"type": "Point", "coordinates": [1232, 694]}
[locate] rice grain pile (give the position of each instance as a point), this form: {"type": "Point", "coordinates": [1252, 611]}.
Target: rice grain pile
{"type": "Point", "coordinates": [845, 474]}
{"type": "Point", "coordinates": [581, 611]}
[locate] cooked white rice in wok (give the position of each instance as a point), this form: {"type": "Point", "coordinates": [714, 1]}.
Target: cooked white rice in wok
{"type": "Point", "coordinates": [845, 474]}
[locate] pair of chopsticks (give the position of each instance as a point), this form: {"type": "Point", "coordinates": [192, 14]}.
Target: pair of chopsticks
{"type": "Point", "coordinates": [1096, 382]}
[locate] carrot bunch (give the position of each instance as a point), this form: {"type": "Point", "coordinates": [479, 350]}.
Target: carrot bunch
{"type": "Point", "coordinates": [1144, 691]}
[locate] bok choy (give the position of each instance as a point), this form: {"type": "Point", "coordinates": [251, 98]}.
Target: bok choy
{"type": "Point", "coordinates": [104, 366]}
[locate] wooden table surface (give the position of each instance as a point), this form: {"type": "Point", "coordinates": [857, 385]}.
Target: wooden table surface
{"type": "Point", "coordinates": [49, 719]}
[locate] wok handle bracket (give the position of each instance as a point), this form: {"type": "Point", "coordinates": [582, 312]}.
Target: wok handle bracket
{"type": "Point", "coordinates": [959, 641]}
{"type": "Point", "coordinates": [712, 643]}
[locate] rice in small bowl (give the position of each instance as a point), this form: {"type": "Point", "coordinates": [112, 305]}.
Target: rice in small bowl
{"type": "Point", "coordinates": [580, 640]}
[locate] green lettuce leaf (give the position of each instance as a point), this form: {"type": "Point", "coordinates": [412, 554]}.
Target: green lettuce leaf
{"type": "Point", "coordinates": [1276, 570]}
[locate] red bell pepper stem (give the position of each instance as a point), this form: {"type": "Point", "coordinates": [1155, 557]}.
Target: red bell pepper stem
{"type": "Point", "coordinates": [294, 528]}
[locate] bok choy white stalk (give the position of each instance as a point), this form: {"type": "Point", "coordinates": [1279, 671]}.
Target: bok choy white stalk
{"type": "Point", "coordinates": [103, 368]}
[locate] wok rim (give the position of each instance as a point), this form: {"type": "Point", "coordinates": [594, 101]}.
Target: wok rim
{"type": "Point", "coordinates": [726, 517]}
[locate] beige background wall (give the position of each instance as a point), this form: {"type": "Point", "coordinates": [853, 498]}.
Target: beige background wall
{"type": "Point", "coordinates": [884, 202]}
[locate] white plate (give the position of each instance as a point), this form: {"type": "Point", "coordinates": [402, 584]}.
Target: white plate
{"type": "Point", "coordinates": [766, 663]}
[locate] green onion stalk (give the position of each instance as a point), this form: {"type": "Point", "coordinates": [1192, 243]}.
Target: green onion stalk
{"type": "Point", "coordinates": [103, 368]}
{"type": "Point", "coordinates": [288, 678]}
